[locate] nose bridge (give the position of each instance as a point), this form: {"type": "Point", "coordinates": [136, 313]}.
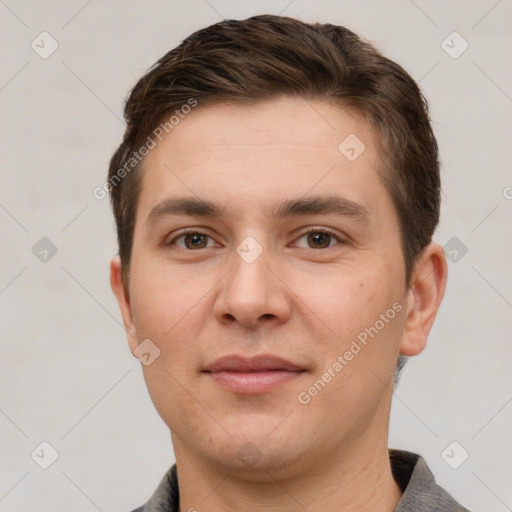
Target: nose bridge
{"type": "Point", "coordinates": [251, 293]}
{"type": "Point", "coordinates": [251, 274]}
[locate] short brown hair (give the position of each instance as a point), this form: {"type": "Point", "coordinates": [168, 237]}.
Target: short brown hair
{"type": "Point", "coordinates": [267, 56]}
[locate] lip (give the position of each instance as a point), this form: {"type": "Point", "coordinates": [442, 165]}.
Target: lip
{"type": "Point", "coordinates": [253, 375]}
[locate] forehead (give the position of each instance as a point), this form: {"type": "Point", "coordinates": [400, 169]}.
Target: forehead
{"type": "Point", "coordinates": [297, 122]}
{"type": "Point", "coordinates": [266, 152]}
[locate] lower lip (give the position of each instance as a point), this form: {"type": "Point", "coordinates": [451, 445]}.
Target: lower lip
{"type": "Point", "coordinates": [253, 382]}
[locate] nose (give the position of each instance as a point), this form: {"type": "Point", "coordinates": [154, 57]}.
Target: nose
{"type": "Point", "coordinates": [252, 295]}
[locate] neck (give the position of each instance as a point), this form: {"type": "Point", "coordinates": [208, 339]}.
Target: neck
{"type": "Point", "coordinates": [356, 479]}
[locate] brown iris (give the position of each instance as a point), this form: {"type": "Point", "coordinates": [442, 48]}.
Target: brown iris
{"type": "Point", "coordinates": [319, 240]}
{"type": "Point", "coordinates": [196, 241]}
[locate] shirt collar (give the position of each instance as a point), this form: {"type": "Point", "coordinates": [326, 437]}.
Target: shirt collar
{"type": "Point", "coordinates": [411, 473]}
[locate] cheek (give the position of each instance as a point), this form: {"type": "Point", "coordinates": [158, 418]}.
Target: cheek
{"type": "Point", "coordinates": [364, 317]}
{"type": "Point", "coordinates": [163, 302]}
{"type": "Point", "coordinates": [170, 392]}
{"type": "Point", "coordinates": [358, 360]}
{"type": "Point", "coordinates": [172, 314]}
{"type": "Point", "coordinates": [345, 302]}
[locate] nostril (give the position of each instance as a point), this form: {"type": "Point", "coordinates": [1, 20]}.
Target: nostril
{"type": "Point", "coordinates": [267, 316]}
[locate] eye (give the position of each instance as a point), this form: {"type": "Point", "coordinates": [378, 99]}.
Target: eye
{"type": "Point", "coordinates": [317, 239]}
{"type": "Point", "coordinates": [193, 241]}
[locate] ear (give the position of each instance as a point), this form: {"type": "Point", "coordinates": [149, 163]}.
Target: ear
{"type": "Point", "coordinates": [119, 289]}
{"type": "Point", "coordinates": [424, 298]}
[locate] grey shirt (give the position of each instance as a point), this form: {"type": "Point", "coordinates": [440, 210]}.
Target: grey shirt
{"type": "Point", "coordinates": [420, 491]}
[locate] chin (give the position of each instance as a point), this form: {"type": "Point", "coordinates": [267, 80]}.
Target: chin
{"type": "Point", "coordinates": [251, 463]}
{"type": "Point", "coordinates": [257, 449]}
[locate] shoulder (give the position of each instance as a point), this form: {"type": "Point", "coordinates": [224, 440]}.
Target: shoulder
{"type": "Point", "coordinates": [166, 496]}
{"type": "Point", "coordinates": [420, 490]}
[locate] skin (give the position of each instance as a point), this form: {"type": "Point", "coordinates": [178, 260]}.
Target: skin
{"type": "Point", "coordinates": [297, 301]}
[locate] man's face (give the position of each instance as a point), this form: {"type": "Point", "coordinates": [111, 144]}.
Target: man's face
{"type": "Point", "coordinates": [255, 236]}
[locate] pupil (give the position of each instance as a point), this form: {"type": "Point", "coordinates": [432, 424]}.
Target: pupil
{"type": "Point", "coordinates": [319, 240]}
{"type": "Point", "coordinates": [195, 240]}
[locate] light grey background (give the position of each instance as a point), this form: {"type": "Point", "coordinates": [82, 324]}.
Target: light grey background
{"type": "Point", "coordinates": [67, 376]}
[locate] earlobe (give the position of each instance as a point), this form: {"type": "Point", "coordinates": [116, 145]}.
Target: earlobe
{"type": "Point", "coordinates": [119, 289]}
{"type": "Point", "coordinates": [424, 298]}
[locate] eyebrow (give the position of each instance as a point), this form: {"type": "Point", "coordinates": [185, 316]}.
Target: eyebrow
{"type": "Point", "coordinates": [194, 206]}
{"type": "Point", "coordinates": [322, 205]}
{"type": "Point", "coordinates": [184, 206]}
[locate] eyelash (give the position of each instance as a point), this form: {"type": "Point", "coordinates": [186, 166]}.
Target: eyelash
{"type": "Point", "coordinates": [330, 232]}
{"type": "Point", "coordinates": [183, 234]}
{"type": "Point", "coordinates": [309, 231]}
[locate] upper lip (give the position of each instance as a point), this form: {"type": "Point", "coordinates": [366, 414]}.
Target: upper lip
{"type": "Point", "coordinates": [236, 363]}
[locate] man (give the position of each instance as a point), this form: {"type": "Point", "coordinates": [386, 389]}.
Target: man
{"type": "Point", "coordinates": [275, 196]}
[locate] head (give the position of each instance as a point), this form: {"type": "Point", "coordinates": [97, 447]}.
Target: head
{"type": "Point", "coordinates": [276, 192]}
